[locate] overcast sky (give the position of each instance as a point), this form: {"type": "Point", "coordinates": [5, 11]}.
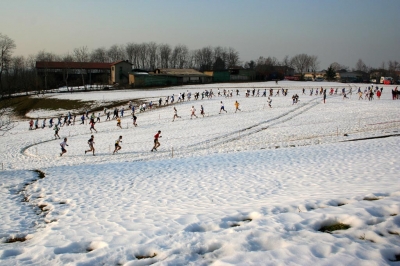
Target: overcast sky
{"type": "Point", "coordinates": [340, 31]}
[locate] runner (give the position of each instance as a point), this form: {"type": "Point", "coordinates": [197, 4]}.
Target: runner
{"type": "Point", "coordinates": [202, 110]}
{"type": "Point", "coordinates": [193, 110]}
{"type": "Point", "coordinates": [156, 143]}
{"type": "Point", "coordinates": [117, 146]}
{"type": "Point", "coordinates": [91, 144]}
{"type": "Point", "coordinates": [63, 144]}
{"type": "Point", "coordinates": [31, 125]}
{"type": "Point", "coordinates": [119, 122]}
{"type": "Point", "coordinates": [134, 120]}
{"type": "Point", "coordinates": [175, 115]}
{"type": "Point", "coordinates": [269, 101]}
{"type": "Point", "coordinates": [56, 129]}
{"type": "Point", "coordinates": [222, 108]}
{"type": "Point", "coordinates": [360, 94]}
{"type": "Point", "coordinates": [237, 106]}
{"type": "Point", "coordinates": [92, 126]}
{"type": "Point", "coordinates": [98, 118]}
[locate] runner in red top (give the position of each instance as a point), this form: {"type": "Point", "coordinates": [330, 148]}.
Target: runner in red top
{"type": "Point", "coordinates": [156, 143]}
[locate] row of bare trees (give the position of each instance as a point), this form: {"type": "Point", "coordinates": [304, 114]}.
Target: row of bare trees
{"type": "Point", "coordinates": [149, 56]}
{"type": "Point", "coordinates": [301, 63]}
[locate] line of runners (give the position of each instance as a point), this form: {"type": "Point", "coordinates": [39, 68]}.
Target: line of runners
{"type": "Point", "coordinates": [117, 144]}
{"type": "Point", "coordinates": [295, 99]}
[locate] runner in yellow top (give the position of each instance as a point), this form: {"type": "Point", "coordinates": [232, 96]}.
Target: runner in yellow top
{"type": "Point", "coordinates": [119, 122]}
{"type": "Point", "coordinates": [237, 106]}
{"type": "Point", "coordinates": [117, 146]}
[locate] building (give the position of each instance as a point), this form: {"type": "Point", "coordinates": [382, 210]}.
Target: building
{"type": "Point", "coordinates": [218, 75]}
{"type": "Point", "coordinates": [185, 76]}
{"type": "Point", "coordinates": [241, 74]}
{"type": "Point", "coordinates": [120, 72]}
{"type": "Point", "coordinates": [167, 77]}
{"type": "Point", "coordinates": [311, 76]}
{"type": "Point", "coordinates": [55, 74]}
{"type": "Point", "coordinates": [232, 74]}
{"type": "Point", "coordinates": [354, 76]}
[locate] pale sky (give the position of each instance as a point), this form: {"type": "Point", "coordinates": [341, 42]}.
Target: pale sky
{"type": "Point", "coordinates": [340, 31]}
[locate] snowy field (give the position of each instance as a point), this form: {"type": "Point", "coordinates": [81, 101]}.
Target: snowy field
{"type": "Point", "coordinates": [254, 187]}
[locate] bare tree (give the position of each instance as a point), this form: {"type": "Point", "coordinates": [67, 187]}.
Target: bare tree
{"type": "Point", "coordinates": [179, 56]}
{"type": "Point", "coordinates": [383, 65]}
{"type": "Point", "coordinates": [165, 54]}
{"type": "Point", "coordinates": [301, 63]}
{"type": "Point", "coordinates": [81, 55]}
{"type": "Point", "coordinates": [116, 53]}
{"type": "Point", "coordinates": [152, 55]}
{"type": "Point", "coordinates": [336, 67]}
{"type": "Point", "coordinates": [360, 66]}
{"type": "Point", "coordinates": [204, 58]}
{"type": "Point", "coordinates": [266, 66]}
{"type": "Point", "coordinates": [393, 66]}
{"type": "Point", "coordinates": [286, 62]}
{"type": "Point", "coordinates": [250, 65]}
{"type": "Point", "coordinates": [7, 45]}
{"type": "Point", "coordinates": [232, 57]}
{"type": "Point", "coordinates": [191, 59]}
{"type": "Point", "coordinates": [129, 51]}
{"type": "Point", "coordinates": [132, 52]}
{"type": "Point", "coordinates": [314, 63]}
{"type": "Point", "coordinates": [142, 56]}
{"type": "Point", "coordinates": [99, 55]}
{"type": "Point", "coordinates": [219, 52]}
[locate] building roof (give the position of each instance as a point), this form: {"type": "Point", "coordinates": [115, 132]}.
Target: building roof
{"type": "Point", "coordinates": [175, 71]}
{"type": "Point", "coordinates": [75, 65]}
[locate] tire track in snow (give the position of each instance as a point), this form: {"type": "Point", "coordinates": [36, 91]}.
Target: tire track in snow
{"type": "Point", "coordinates": [244, 132]}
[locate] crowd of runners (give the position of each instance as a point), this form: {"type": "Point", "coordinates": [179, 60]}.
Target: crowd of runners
{"type": "Point", "coordinates": [118, 113]}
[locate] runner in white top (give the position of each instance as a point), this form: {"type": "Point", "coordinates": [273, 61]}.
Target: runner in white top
{"type": "Point", "coordinates": [193, 110]}
{"type": "Point", "coordinates": [63, 144]}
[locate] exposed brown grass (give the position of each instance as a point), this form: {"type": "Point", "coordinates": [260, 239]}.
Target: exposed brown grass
{"type": "Point", "coordinates": [141, 257]}
{"type": "Point", "coordinates": [334, 227]}
{"type": "Point", "coordinates": [14, 239]}
{"type": "Point", "coordinates": [370, 198]}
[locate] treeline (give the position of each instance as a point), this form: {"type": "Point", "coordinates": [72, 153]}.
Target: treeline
{"type": "Point", "coordinates": [18, 73]}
